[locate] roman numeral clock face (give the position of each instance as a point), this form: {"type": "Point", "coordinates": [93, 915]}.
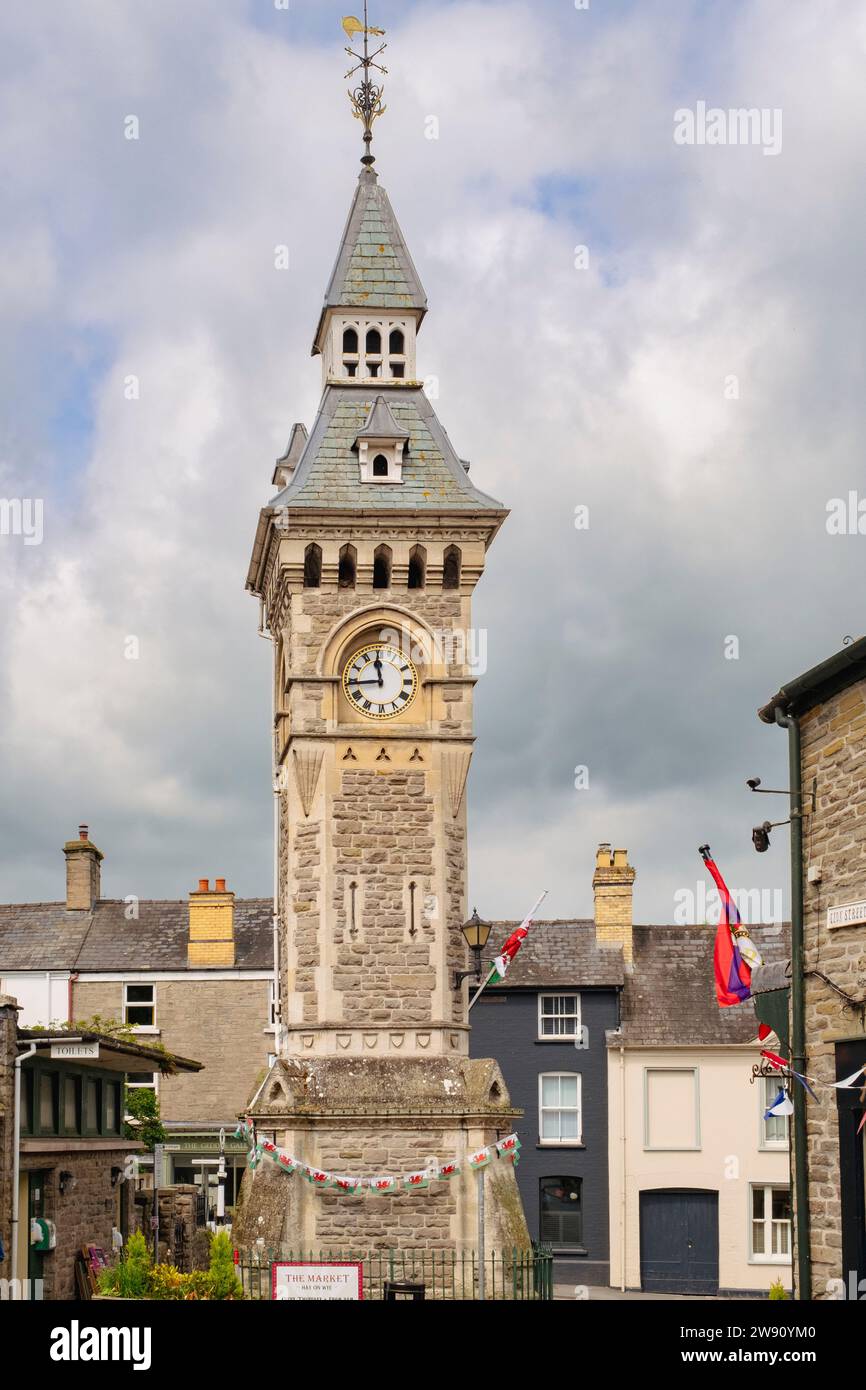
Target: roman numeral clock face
{"type": "Point", "coordinates": [380, 681]}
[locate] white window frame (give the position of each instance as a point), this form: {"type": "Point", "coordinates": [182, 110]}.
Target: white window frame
{"type": "Point", "coordinates": [558, 1037]}
{"type": "Point", "coordinates": [765, 1258]}
{"type": "Point", "coordinates": [575, 1141]}
{"type": "Point", "coordinates": [138, 1004]}
{"type": "Point", "coordinates": [772, 1145]}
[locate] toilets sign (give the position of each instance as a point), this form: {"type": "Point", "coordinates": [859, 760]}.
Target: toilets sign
{"type": "Point", "coordinates": [291, 1280]}
{"type": "Point", "coordinates": [70, 1050]}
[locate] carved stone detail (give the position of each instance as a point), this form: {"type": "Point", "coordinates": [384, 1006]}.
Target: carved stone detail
{"type": "Point", "coordinates": [308, 765]}
{"type": "Point", "coordinates": [456, 771]}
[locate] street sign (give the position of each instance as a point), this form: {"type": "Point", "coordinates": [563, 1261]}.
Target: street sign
{"type": "Point", "coordinates": [291, 1280]}
{"type": "Point", "coordinates": [846, 914]}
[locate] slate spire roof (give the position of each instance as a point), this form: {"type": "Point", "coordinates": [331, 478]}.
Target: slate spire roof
{"type": "Point", "coordinates": [373, 269]}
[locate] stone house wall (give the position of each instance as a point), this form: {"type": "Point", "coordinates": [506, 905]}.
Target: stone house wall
{"type": "Point", "coordinates": [833, 753]}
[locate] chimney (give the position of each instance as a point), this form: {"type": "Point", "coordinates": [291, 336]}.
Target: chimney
{"type": "Point", "coordinates": [83, 887]}
{"type": "Point", "coordinates": [211, 925]}
{"type": "Point", "coordinates": [611, 886]}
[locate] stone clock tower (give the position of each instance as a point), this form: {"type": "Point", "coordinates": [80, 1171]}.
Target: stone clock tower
{"type": "Point", "coordinates": [365, 564]}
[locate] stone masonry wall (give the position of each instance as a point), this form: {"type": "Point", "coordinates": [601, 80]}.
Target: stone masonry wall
{"type": "Point", "coordinates": [84, 1216]}
{"type": "Point", "coordinates": [221, 1023]}
{"type": "Point", "coordinates": [833, 752]}
{"type": "Point", "coordinates": [383, 836]}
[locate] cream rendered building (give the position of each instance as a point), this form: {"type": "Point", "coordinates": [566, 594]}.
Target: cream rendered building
{"type": "Point", "coordinates": [699, 1180]}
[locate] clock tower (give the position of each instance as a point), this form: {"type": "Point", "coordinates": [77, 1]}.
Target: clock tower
{"type": "Point", "coordinates": [365, 563]}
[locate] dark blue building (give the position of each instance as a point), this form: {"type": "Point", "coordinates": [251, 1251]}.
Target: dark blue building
{"type": "Point", "coordinates": [545, 1024]}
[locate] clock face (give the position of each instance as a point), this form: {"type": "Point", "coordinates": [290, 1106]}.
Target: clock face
{"type": "Point", "coordinates": [380, 681]}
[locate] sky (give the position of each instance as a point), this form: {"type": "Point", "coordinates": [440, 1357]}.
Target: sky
{"type": "Point", "coordinates": [692, 377]}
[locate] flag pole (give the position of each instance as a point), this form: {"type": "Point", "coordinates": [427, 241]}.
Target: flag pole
{"type": "Point", "coordinates": [527, 922]}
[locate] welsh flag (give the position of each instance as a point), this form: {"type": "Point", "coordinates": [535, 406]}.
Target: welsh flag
{"type": "Point", "coordinates": [513, 945]}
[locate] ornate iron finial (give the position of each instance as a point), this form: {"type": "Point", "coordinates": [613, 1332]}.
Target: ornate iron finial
{"type": "Point", "coordinates": [366, 99]}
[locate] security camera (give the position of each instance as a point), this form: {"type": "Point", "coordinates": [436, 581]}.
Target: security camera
{"type": "Point", "coordinates": [753, 783]}
{"type": "Point", "coordinates": [761, 836]}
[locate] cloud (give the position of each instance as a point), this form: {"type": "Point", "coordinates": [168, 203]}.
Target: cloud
{"type": "Point", "coordinates": [606, 386]}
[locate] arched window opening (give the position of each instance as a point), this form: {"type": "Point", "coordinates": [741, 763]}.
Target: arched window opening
{"type": "Point", "coordinates": [451, 568]}
{"type": "Point", "coordinates": [382, 567]}
{"type": "Point", "coordinates": [417, 567]}
{"type": "Point", "coordinates": [350, 340]}
{"type": "Point", "coordinates": [348, 559]}
{"type": "Point", "coordinates": [374, 342]}
{"type": "Point", "coordinates": [396, 342]}
{"type": "Point", "coordinates": [380, 466]}
{"type": "Point", "coordinates": [312, 566]}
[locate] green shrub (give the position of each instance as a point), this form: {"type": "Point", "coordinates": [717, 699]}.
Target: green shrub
{"type": "Point", "coordinates": [777, 1291]}
{"type": "Point", "coordinates": [224, 1282]}
{"type": "Point", "coordinates": [136, 1277]}
{"type": "Point", "coordinates": [130, 1277]}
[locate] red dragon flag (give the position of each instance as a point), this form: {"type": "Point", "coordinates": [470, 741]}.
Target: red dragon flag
{"type": "Point", "coordinates": [734, 954]}
{"type": "Point", "coordinates": [509, 950]}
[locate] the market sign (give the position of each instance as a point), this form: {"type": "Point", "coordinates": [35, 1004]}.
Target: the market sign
{"type": "Point", "coordinates": [291, 1280]}
{"type": "Point", "coordinates": [846, 914]}
{"type": "Point", "coordinates": [70, 1050]}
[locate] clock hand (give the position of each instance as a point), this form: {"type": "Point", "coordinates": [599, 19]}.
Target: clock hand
{"type": "Point", "coordinates": [378, 682]}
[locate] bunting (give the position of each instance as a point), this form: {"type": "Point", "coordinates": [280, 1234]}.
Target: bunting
{"type": "Point", "coordinates": [382, 1184]}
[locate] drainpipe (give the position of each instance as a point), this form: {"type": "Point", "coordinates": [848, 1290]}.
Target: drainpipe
{"type": "Point", "coordinates": [798, 1006]}
{"type": "Point", "coordinates": [16, 1158]}
{"type": "Point", "coordinates": [278, 1023]}
{"type": "Point", "coordinates": [622, 1196]}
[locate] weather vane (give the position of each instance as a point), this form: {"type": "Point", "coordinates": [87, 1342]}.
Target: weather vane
{"type": "Point", "coordinates": [366, 99]}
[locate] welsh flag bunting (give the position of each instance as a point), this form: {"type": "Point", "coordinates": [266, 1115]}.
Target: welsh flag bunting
{"type": "Point", "coordinates": [509, 1147]}
{"type": "Point", "coordinates": [479, 1159]}
{"type": "Point", "coordinates": [349, 1186]}
{"type": "Point", "coordinates": [384, 1184]}
{"type": "Point", "coordinates": [449, 1170]}
{"type": "Point", "coordinates": [287, 1164]}
{"type": "Point", "coordinates": [418, 1181]}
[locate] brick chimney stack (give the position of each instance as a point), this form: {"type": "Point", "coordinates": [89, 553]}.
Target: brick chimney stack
{"type": "Point", "coordinates": [612, 889]}
{"type": "Point", "coordinates": [83, 877]}
{"type": "Point", "coordinates": [211, 925]}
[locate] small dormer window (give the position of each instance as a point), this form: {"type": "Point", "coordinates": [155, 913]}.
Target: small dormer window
{"type": "Point", "coordinates": [396, 342]}
{"type": "Point", "coordinates": [350, 340]}
{"type": "Point", "coordinates": [374, 342]}
{"type": "Point", "coordinates": [381, 445]}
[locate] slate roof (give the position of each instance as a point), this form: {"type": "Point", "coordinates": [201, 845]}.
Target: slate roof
{"type": "Point", "coordinates": [329, 476]}
{"type": "Point", "coordinates": [557, 953]}
{"type": "Point", "coordinates": [373, 269]}
{"type": "Point", "coordinates": [669, 999]}
{"type": "Point", "coordinates": [44, 936]}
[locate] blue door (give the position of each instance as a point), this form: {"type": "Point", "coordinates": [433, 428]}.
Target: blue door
{"type": "Point", "coordinates": [679, 1241]}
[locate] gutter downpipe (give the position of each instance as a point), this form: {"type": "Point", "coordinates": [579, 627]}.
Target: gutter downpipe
{"type": "Point", "coordinates": [798, 1006]}
{"type": "Point", "coordinates": [622, 1198]}
{"type": "Point", "coordinates": [278, 1027]}
{"type": "Point", "coordinates": [16, 1160]}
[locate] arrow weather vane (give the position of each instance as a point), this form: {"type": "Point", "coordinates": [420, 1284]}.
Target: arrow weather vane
{"type": "Point", "coordinates": [366, 99]}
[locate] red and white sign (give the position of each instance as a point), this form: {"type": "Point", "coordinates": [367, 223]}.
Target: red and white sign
{"type": "Point", "coordinates": [292, 1280]}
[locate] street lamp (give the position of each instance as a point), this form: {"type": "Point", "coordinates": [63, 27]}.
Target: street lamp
{"type": "Point", "coordinates": [475, 934]}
